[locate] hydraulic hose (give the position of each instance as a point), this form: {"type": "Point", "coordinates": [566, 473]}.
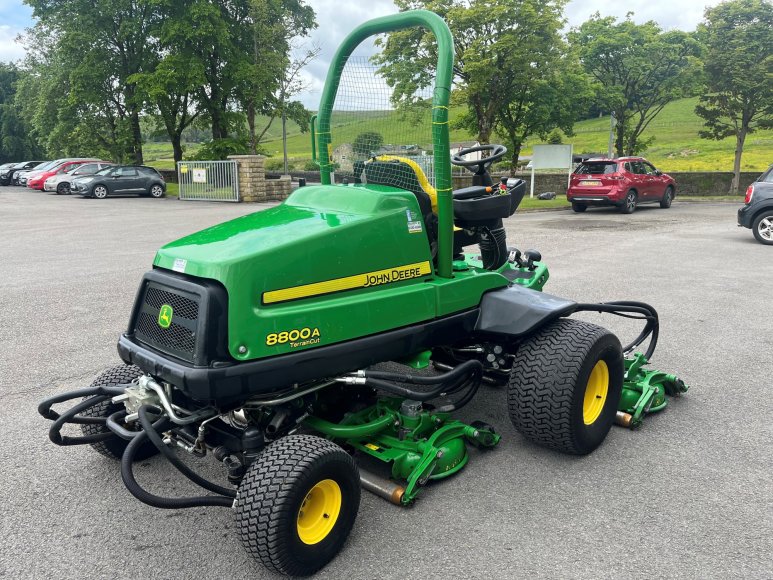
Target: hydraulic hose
{"type": "Point", "coordinates": [625, 308]}
{"type": "Point", "coordinates": [127, 474]}
{"type": "Point", "coordinates": [152, 431]}
{"type": "Point", "coordinates": [449, 382]}
{"type": "Point", "coordinates": [493, 247]}
{"type": "Point", "coordinates": [457, 372]}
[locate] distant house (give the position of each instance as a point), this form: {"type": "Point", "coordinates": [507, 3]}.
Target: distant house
{"type": "Point", "coordinates": [343, 156]}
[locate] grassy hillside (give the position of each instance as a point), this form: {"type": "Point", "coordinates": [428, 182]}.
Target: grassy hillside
{"type": "Point", "coordinates": [677, 146]}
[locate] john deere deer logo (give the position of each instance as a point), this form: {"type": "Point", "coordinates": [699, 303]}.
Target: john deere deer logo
{"type": "Point", "coordinates": [165, 316]}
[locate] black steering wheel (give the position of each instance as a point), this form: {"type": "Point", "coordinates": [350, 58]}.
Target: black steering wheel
{"type": "Point", "coordinates": [496, 153]}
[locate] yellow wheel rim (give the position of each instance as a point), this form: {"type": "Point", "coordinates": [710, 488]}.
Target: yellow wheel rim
{"type": "Point", "coordinates": [595, 393]}
{"type": "Point", "coordinates": [319, 512]}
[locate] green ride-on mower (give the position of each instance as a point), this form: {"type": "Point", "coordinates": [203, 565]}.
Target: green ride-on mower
{"type": "Point", "coordinates": [260, 341]}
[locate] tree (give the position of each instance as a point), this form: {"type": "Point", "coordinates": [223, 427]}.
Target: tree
{"type": "Point", "coordinates": [16, 140]}
{"type": "Point", "coordinates": [366, 144]}
{"type": "Point", "coordinates": [738, 36]}
{"type": "Point", "coordinates": [102, 45]}
{"type": "Point", "coordinates": [509, 55]}
{"type": "Point", "coordinates": [639, 70]}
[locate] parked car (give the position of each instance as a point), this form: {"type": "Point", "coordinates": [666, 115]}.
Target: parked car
{"type": "Point", "coordinates": [22, 176]}
{"type": "Point", "coordinates": [757, 212]}
{"type": "Point", "coordinates": [9, 175]}
{"type": "Point", "coordinates": [39, 179]}
{"type": "Point", "coordinates": [120, 180]}
{"type": "Point", "coordinates": [625, 182]}
{"type": "Point", "coordinates": [60, 182]}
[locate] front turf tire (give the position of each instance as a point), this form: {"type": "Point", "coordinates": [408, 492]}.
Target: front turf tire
{"type": "Point", "coordinates": [565, 386]}
{"type": "Point", "coordinates": [115, 446]}
{"type": "Point", "coordinates": [301, 486]}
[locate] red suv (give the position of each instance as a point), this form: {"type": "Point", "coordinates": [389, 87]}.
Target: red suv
{"type": "Point", "coordinates": [624, 182]}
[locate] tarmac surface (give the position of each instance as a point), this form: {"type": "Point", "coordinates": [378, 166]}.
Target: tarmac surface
{"type": "Point", "coordinates": [688, 495]}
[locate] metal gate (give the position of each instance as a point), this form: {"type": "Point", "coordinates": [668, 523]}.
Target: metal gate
{"type": "Point", "coordinates": [208, 180]}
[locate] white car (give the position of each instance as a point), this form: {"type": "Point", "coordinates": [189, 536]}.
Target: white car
{"type": "Point", "coordinates": [60, 183]}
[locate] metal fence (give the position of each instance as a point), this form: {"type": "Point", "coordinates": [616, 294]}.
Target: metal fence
{"type": "Point", "coordinates": [208, 180]}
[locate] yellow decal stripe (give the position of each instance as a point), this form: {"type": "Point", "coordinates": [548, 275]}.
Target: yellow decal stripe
{"type": "Point", "coordinates": [349, 283]}
{"type": "Point", "coordinates": [423, 181]}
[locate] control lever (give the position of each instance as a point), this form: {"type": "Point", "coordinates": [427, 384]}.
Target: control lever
{"type": "Point", "coordinates": [515, 257]}
{"type": "Point", "coordinates": [531, 257]}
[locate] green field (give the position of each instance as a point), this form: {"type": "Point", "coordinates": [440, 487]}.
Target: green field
{"type": "Point", "coordinates": [677, 146]}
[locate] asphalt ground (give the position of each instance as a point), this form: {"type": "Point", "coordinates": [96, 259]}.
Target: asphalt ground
{"type": "Point", "coordinates": [688, 495]}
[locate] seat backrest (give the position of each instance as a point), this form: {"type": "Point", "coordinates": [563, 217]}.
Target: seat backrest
{"type": "Point", "coordinates": [404, 173]}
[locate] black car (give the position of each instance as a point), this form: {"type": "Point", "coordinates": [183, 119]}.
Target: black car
{"type": "Point", "coordinates": [120, 180]}
{"type": "Point", "coordinates": [757, 213]}
{"type": "Point", "coordinates": [8, 174]}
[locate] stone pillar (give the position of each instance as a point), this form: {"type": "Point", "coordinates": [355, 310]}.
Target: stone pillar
{"type": "Point", "coordinates": [253, 185]}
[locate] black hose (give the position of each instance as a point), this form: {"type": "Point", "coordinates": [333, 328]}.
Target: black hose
{"type": "Point", "coordinates": [44, 408]}
{"type": "Point", "coordinates": [70, 416]}
{"type": "Point", "coordinates": [114, 424]}
{"type": "Point", "coordinates": [152, 433]}
{"type": "Point", "coordinates": [474, 384]}
{"type": "Point", "coordinates": [455, 380]}
{"type": "Point", "coordinates": [646, 312]}
{"type": "Point", "coordinates": [493, 247]}
{"type": "Point", "coordinates": [425, 379]}
{"type": "Point", "coordinates": [127, 474]}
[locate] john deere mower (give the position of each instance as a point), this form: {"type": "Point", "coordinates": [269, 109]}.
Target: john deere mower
{"type": "Point", "coordinates": [311, 345]}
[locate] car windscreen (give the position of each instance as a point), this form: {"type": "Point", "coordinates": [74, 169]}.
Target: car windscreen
{"type": "Point", "coordinates": [85, 169]}
{"type": "Point", "coordinates": [104, 171]}
{"type": "Point", "coordinates": [43, 166]}
{"type": "Point", "coordinates": [597, 168]}
{"type": "Point", "coordinates": [767, 177]}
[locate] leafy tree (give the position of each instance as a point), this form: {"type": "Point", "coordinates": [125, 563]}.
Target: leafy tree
{"type": "Point", "coordinates": [738, 36]}
{"type": "Point", "coordinates": [100, 45]}
{"type": "Point", "coordinates": [639, 70]}
{"type": "Point", "coordinates": [16, 141]}
{"type": "Point", "coordinates": [367, 143]}
{"type": "Point", "coordinates": [509, 54]}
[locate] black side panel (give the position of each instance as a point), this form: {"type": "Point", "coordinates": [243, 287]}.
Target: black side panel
{"type": "Point", "coordinates": [517, 311]}
{"type": "Point", "coordinates": [229, 384]}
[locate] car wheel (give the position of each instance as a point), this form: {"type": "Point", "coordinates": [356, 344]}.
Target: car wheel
{"type": "Point", "coordinates": [157, 191]}
{"type": "Point", "coordinates": [63, 189]}
{"type": "Point", "coordinates": [100, 192]}
{"type": "Point", "coordinates": [668, 197]}
{"type": "Point", "coordinates": [629, 203]}
{"type": "Point", "coordinates": [579, 207]}
{"type": "Point", "coordinates": [763, 228]}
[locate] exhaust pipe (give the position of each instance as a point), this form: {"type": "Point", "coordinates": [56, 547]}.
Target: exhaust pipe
{"type": "Point", "coordinates": [389, 490]}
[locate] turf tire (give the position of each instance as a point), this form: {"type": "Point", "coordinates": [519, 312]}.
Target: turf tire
{"type": "Point", "coordinates": [547, 385]}
{"type": "Point", "coordinates": [115, 446]}
{"type": "Point", "coordinates": [270, 496]}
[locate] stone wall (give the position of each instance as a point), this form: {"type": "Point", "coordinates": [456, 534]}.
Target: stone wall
{"type": "Point", "coordinates": [696, 183]}
{"type": "Point", "coordinates": [253, 185]}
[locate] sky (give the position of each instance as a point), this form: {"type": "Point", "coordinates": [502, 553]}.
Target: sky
{"type": "Point", "coordinates": [337, 17]}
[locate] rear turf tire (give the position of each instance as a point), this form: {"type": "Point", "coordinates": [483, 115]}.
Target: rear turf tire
{"type": "Point", "coordinates": [115, 446]}
{"type": "Point", "coordinates": [551, 374]}
{"type": "Point", "coordinates": [275, 492]}
{"type": "Point", "coordinates": [579, 207]}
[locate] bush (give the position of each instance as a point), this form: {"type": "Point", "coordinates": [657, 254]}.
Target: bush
{"type": "Point", "coordinates": [274, 164]}
{"type": "Point", "coordinates": [311, 165]}
{"type": "Point", "coordinates": [220, 149]}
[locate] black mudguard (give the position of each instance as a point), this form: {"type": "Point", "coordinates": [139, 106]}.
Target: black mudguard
{"type": "Point", "coordinates": [517, 311]}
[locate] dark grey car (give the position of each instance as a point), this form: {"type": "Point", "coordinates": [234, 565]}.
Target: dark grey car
{"type": "Point", "coordinates": [8, 175]}
{"type": "Point", "coordinates": [120, 180]}
{"type": "Point", "coordinates": [757, 212]}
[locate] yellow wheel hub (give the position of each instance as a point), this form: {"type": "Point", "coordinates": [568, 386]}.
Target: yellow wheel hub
{"type": "Point", "coordinates": [319, 512]}
{"type": "Point", "coordinates": [595, 393]}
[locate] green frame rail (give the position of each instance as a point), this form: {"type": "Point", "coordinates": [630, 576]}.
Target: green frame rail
{"type": "Point", "coordinates": [440, 100]}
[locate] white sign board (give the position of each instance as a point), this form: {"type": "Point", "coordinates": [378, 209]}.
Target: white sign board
{"type": "Point", "coordinates": [550, 157]}
{"type": "Point", "coordinates": [199, 175]}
